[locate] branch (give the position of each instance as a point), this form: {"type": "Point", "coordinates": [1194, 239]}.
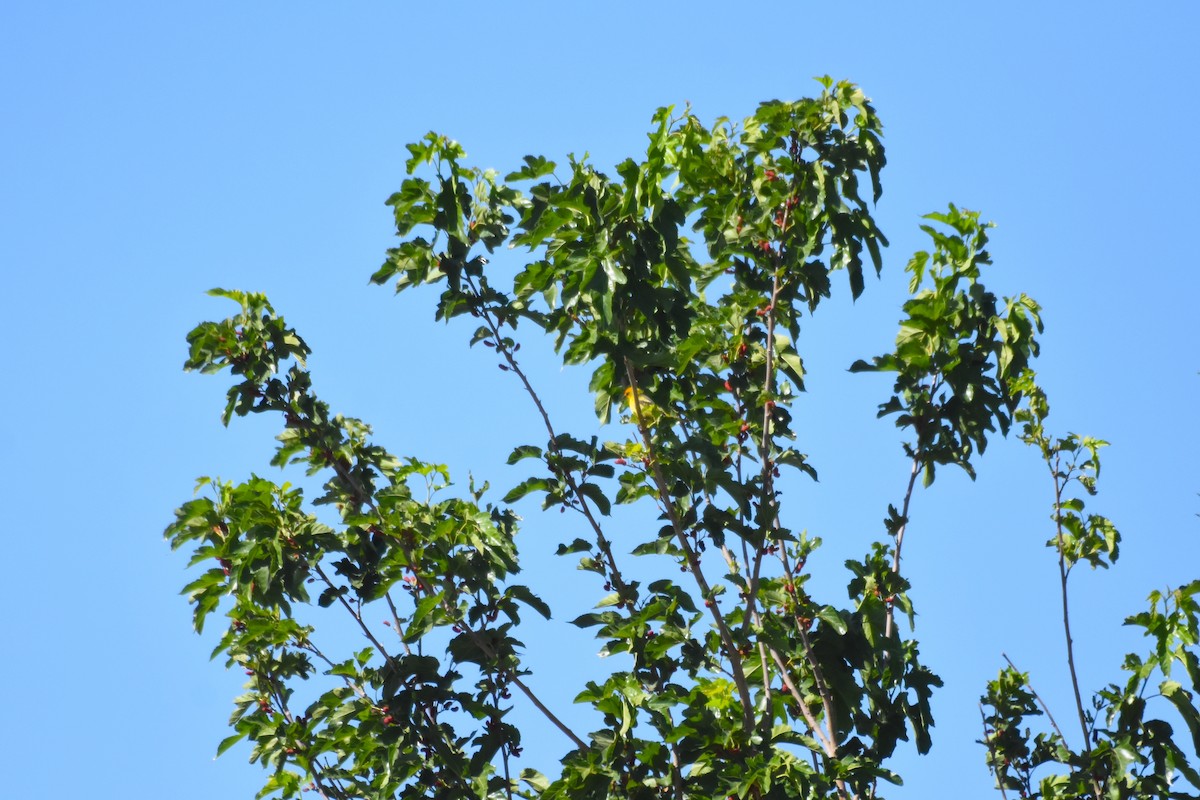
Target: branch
{"type": "Point", "coordinates": [826, 744]}
{"type": "Point", "coordinates": [602, 542]}
{"type": "Point", "coordinates": [357, 617]}
{"type": "Point", "coordinates": [489, 651]}
{"type": "Point", "coordinates": [533, 698]}
{"type": "Point", "coordinates": [768, 473]}
{"type": "Point", "coordinates": [912, 482]}
{"type": "Point", "coordinates": [1063, 572]}
{"type": "Point", "coordinates": [822, 688]}
{"type": "Point", "coordinates": [735, 661]}
{"type": "Point", "coordinates": [992, 750]}
{"type": "Point", "coordinates": [1040, 701]}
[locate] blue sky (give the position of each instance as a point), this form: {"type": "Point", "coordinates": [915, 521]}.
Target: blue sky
{"type": "Point", "coordinates": [151, 151]}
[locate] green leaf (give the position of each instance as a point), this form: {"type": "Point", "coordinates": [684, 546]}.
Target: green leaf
{"type": "Point", "coordinates": [1182, 700]}
{"type": "Point", "coordinates": [525, 487]}
{"type": "Point", "coordinates": [535, 167]}
{"type": "Point", "coordinates": [524, 451]}
{"type": "Point", "coordinates": [594, 493]}
{"type": "Point", "coordinates": [527, 597]}
{"type": "Point", "coordinates": [229, 741]}
{"type": "Point", "coordinates": [577, 546]}
{"type": "Point", "coordinates": [831, 617]}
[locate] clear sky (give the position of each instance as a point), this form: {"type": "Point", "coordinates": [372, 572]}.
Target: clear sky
{"type": "Point", "coordinates": [150, 151]}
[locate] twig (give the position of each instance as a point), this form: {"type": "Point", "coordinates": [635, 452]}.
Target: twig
{"type": "Point", "coordinates": [1063, 572]}
{"type": "Point", "coordinates": [992, 750]}
{"type": "Point", "coordinates": [490, 652]}
{"type": "Point", "coordinates": [1041, 702]}
{"type": "Point", "coordinates": [908, 493]}
{"type": "Point", "coordinates": [357, 617]}
{"type": "Point", "coordinates": [735, 661]}
{"type": "Point", "coordinates": [533, 698]}
{"type": "Point", "coordinates": [764, 451]}
{"type": "Point", "coordinates": [826, 745]}
{"type": "Point", "coordinates": [602, 542]}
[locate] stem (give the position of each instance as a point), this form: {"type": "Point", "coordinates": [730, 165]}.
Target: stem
{"type": "Point", "coordinates": [735, 661]}
{"type": "Point", "coordinates": [768, 711]}
{"type": "Point", "coordinates": [490, 652]}
{"type": "Point", "coordinates": [1063, 572]}
{"type": "Point", "coordinates": [357, 617]}
{"type": "Point", "coordinates": [676, 765]}
{"type": "Point", "coordinates": [992, 750]}
{"type": "Point", "coordinates": [533, 698]}
{"type": "Point", "coordinates": [908, 493]}
{"type": "Point", "coordinates": [602, 542]}
{"type": "Point", "coordinates": [358, 689]}
{"type": "Point", "coordinates": [764, 453]}
{"type": "Point", "coordinates": [396, 622]}
{"type": "Point", "coordinates": [822, 689]}
{"type": "Point", "coordinates": [826, 744]}
{"type": "Point", "coordinates": [314, 766]}
{"type": "Point", "coordinates": [818, 676]}
{"type": "Point", "coordinates": [425, 587]}
{"type": "Point", "coordinates": [1040, 701]}
{"type": "Point", "coordinates": [508, 784]}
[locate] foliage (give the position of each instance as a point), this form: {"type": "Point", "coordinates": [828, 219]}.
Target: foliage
{"type": "Point", "coordinates": [730, 679]}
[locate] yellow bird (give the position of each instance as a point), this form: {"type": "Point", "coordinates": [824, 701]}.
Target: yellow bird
{"type": "Point", "coordinates": [650, 413]}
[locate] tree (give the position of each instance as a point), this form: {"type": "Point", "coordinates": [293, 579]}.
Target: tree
{"type": "Point", "coordinates": [729, 678]}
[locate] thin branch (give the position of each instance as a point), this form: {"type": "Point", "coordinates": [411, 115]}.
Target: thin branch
{"type": "Point", "coordinates": [764, 450]}
{"type": "Point", "coordinates": [490, 652]}
{"type": "Point", "coordinates": [768, 710]}
{"type": "Point", "coordinates": [676, 762]}
{"type": "Point", "coordinates": [478, 640]}
{"type": "Point", "coordinates": [504, 755]}
{"type": "Point", "coordinates": [826, 744]}
{"type": "Point", "coordinates": [735, 661]}
{"type": "Point", "coordinates": [1063, 572]}
{"type": "Point", "coordinates": [602, 542]}
{"type": "Point", "coordinates": [992, 752]}
{"type": "Point", "coordinates": [822, 688]}
{"type": "Point", "coordinates": [1040, 701]}
{"type": "Point", "coordinates": [558, 723]}
{"type": "Point", "coordinates": [908, 493]}
{"type": "Point", "coordinates": [357, 617]}
{"type": "Point", "coordinates": [396, 622]}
